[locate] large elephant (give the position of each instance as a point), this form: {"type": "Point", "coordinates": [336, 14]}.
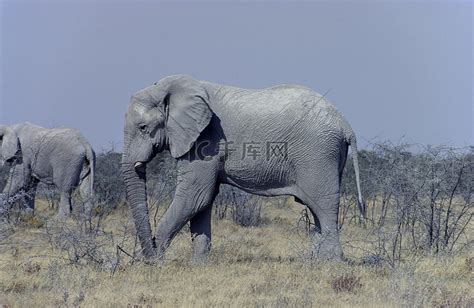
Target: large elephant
{"type": "Point", "coordinates": [59, 156]}
{"type": "Point", "coordinates": [283, 140]}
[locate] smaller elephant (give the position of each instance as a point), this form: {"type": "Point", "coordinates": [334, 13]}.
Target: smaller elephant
{"type": "Point", "coordinates": [57, 156]}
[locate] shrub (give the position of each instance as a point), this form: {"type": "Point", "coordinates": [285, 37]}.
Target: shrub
{"type": "Point", "coordinates": [346, 283]}
{"type": "Point", "coordinates": [245, 209]}
{"type": "Point", "coordinates": [419, 199]}
{"type": "Point", "coordinates": [109, 188]}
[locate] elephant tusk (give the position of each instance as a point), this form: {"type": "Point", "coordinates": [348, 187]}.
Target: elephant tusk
{"type": "Point", "coordinates": [138, 165]}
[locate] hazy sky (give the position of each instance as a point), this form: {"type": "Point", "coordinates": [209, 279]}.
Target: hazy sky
{"type": "Point", "coordinates": [393, 69]}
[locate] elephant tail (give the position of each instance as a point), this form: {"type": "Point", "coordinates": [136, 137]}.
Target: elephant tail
{"type": "Point", "coordinates": [90, 155]}
{"type": "Point", "coordinates": [352, 141]}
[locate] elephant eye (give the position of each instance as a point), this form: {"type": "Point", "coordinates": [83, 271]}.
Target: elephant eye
{"type": "Point", "coordinates": [142, 128]}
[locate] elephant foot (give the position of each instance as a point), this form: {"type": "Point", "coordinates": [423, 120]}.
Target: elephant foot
{"type": "Point", "coordinates": [328, 254]}
{"type": "Point", "coordinates": [327, 249]}
{"type": "Point", "coordinates": [200, 259]}
{"type": "Point", "coordinates": [201, 249]}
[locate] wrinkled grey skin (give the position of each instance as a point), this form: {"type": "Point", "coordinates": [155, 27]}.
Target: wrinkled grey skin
{"type": "Point", "coordinates": [190, 118]}
{"type": "Point", "coordinates": [59, 156]}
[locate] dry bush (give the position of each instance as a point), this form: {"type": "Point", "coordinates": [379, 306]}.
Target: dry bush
{"type": "Point", "coordinates": [31, 267]}
{"type": "Point", "coordinates": [13, 209]}
{"type": "Point", "coordinates": [346, 283]}
{"type": "Point", "coordinates": [245, 209]}
{"type": "Point", "coordinates": [79, 243]}
{"type": "Point", "coordinates": [108, 185]}
{"type": "Point", "coordinates": [88, 242]}
{"type": "Point", "coordinates": [249, 212]}
{"type": "Point", "coordinates": [50, 194]}
{"type": "Point", "coordinates": [419, 200]}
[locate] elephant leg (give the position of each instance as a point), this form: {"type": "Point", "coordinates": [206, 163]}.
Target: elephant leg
{"type": "Point", "coordinates": [319, 190]}
{"type": "Point", "coordinates": [200, 226]}
{"type": "Point", "coordinates": [86, 196]}
{"type": "Point", "coordinates": [65, 207]}
{"type": "Point", "coordinates": [66, 178]}
{"type": "Point", "coordinates": [178, 214]}
{"type": "Point", "coordinates": [193, 198]}
{"type": "Point", "coordinates": [326, 241]}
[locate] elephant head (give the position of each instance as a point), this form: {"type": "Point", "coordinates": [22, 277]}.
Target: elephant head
{"type": "Point", "coordinates": [10, 144]}
{"type": "Point", "coordinates": [170, 115]}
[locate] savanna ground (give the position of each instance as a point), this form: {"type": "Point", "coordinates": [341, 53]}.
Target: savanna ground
{"type": "Point", "coordinates": [268, 265]}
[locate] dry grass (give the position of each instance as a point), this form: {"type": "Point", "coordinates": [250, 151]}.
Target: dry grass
{"type": "Point", "coordinates": [264, 266]}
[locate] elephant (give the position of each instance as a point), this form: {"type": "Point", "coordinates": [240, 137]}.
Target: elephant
{"type": "Point", "coordinates": [58, 156]}
{"type": "Point", "coordinates": [283, 140]}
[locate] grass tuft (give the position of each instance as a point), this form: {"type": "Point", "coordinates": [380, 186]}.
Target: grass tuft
{"type": "Point", "coordinates": [346, 283]}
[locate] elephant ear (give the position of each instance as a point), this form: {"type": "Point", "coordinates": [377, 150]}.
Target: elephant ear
{"type": "Point", "coordinates": [188, 115]}
{"type": "Point", "coordinates": [10, 143]}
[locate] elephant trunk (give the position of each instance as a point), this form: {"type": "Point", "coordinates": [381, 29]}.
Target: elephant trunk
{"type": "Point", "coordinates": [135, 183]}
